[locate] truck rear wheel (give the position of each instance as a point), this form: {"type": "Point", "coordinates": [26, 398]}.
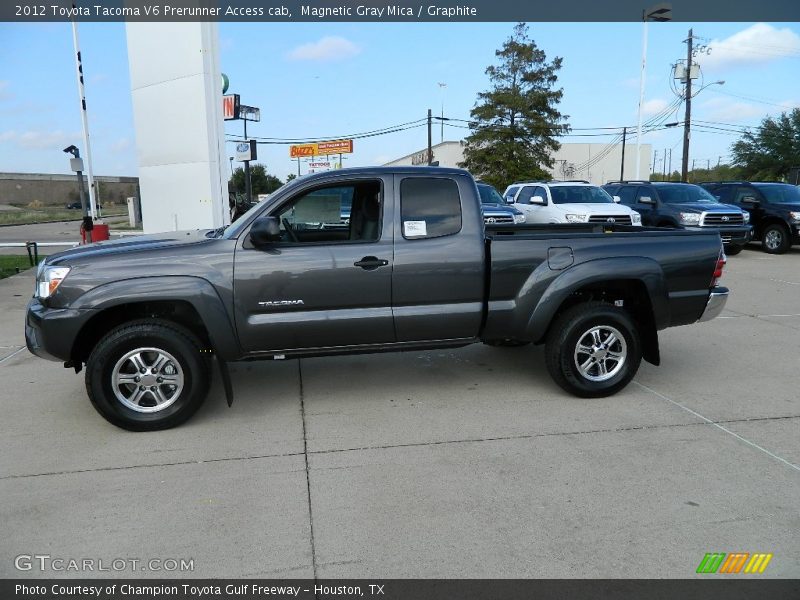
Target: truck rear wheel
{"type": "Point", "coordinates": [593, 350]}
{"type": "Point", "coordinates": [147, 375]}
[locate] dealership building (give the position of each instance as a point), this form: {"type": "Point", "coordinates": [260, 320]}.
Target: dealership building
{"type": "Point", "coordinates": [596, 163]}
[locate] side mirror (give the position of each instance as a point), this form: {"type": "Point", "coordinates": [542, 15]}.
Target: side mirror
{"type": "Point", "coordinates": [646, 200]}
{"type": "Point", "coordinates": [265, 230]}
{"type": "Point", "coordinates": [616, 199]}
{"type": "Point", "coordinates": [539, 200]}
{"type": "Point", "coordinates": [510, 199]}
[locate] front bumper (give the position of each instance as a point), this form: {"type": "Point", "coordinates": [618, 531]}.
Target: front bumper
{"type": "Point", "coordinates": [716, 302]}
{"type": "Point", "coordinates": [51, 332]}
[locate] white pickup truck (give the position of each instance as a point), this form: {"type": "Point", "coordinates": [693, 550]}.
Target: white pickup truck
{"type": "Point", "coordinates": [568, 202]}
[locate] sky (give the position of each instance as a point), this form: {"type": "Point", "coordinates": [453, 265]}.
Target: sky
{"type": "Point", "coordinates": [329, 80]}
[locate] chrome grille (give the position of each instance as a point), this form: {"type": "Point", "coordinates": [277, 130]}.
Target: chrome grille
{"type": "Point", "coordinates": [504, 220]}
{"type": "Point", "coordinates": [722, 219]}
{"type": "Point", "coordinates": [610, 219]}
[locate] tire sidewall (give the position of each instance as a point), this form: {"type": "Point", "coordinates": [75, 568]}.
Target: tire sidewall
{"type": "Point", "coordinates": [102, 362]}
{"type": "Point", "coordinates": [783, 246]}
{"type": "Point", "coordinates": [577, 328]}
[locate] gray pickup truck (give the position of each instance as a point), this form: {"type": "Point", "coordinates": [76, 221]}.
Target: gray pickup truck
{"type": "Point", "coordinates": [413, 267]}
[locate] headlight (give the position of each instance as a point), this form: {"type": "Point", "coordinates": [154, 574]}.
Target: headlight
{"type": "Point", "coordinates": [519, 219]}
{"type": "Point", "coordinates": [746, 216]}
{"type": "Point", "coordinates": [636, 219]}
{"type": "Point", "coordinates": [689, 218]}
{"type": "Point", "coordinates": [795, 216]}
{"type": "Point", "coordinates": [48, 279]}
{"type": "Point", "coordinates": [577, 218]}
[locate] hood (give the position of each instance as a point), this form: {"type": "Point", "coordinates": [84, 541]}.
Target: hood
{"type": "Point", "coordinates": [499, 209]}
{"type": "Point", "coordinates": [595, 208]}
{"type": "Point", "coordinates": [705, 207]}
{"type": "Point", "coordinates": [130, 244]}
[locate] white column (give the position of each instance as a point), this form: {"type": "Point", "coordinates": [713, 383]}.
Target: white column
{"type": "Point", "coordinates": [176, 88]}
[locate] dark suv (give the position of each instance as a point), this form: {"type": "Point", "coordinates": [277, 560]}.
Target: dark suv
{"type": "Point", "coordinates": [685, 206]}
{"type": "Point", "coordinates": [774, 210]}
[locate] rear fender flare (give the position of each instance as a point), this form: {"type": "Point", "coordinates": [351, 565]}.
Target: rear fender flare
{"type": "Point", "coordinates": [646, 270]}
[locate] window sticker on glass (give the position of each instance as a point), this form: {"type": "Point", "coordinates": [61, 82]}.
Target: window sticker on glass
{"type": "Point", "coordinates": [414, 229]}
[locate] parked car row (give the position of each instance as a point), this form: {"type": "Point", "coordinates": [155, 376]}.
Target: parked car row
{"type": "Point", "coordinates": [740, 210]}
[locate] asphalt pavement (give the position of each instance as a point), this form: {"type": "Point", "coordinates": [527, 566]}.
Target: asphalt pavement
{"type": "Point", "coordinates": [449, 463]}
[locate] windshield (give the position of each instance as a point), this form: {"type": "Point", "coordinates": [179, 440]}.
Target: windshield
{"type": "Point", "coordinates": [780, 193]}
{"type": "Point", "coordinates": [489, 195]}
{"type": "Point", "coordinates": [684, 193]}
{"type": "Point", "coordinates": [583, 194]}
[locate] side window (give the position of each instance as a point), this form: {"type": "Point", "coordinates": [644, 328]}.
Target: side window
{"type": "Point", "coordinates": [745, 192]}
{"type": "Point", "coordinates": [645, 192]}
{"type": "Point", "coordinates": [525, 194]}
{"type": "Point", "coordinates": [627, 194]}
{"type": "Point", "coordinates": [429, 207]}
{"type": "Point", "coordinates": [342, 213]}
{"type": "Point", "coordinates": [512, 191]}
{"type": "Point", "coordinates": [722, 193]}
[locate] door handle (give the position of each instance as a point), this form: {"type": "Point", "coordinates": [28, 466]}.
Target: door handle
{"type": "Point", "coordinates": [368, 263]}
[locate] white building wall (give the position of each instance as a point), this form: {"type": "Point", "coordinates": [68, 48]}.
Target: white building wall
{"type": "Point", "coordinates": [593, 162]}
{"type": "Point", "coordinates": [177, 107]}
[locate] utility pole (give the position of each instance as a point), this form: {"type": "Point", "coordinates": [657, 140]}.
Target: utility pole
{"type": "Point", "coordinates": [655, 159]}
{"type": "Point", "coordinates": [669, 171]}
{"type": "Point", "coordinates": [719, 160]}
{"type": "Point", "coordinates": [708, 164]}
{"type": "Point", "coordinates": [688, 117]}
{"type": "Point", "coordinates": [622, 162]}
{"type": "Point", "coordinates": [248, 191]}
{"type": "Point", "coordinates": [430, 150]}
{"type": "Point", "coordinates": [664, 166]}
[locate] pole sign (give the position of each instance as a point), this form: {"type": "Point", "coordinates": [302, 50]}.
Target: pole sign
{"type": "Point", "coordinates": [249, 113]}
{"type": "Point", "coordinates": [230, 107]}
{"type": "Point", "coordinates": [321, 148]}
{"type": "Point", "coordinates": [246, 151]}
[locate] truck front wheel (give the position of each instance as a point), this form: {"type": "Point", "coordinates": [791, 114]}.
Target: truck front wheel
{"type": "Point", "coordinates": [593, 350]}
{"type": "Point", "coordinates": [147, 375]}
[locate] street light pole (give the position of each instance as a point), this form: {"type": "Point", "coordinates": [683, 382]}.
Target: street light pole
{"type": "Point", "coordinates": [441, 87]}
{"type": "Point", "coordinates": [659, 12]}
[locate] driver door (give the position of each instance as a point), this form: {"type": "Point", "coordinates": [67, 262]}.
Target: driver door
{"type": "Point", "coordinates": [327, 282]}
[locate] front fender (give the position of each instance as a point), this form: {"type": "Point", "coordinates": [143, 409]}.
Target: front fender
{"type": "Point", "coordinates": [645, 270]}
{"type": "Point", "coordinates": [195, 290]}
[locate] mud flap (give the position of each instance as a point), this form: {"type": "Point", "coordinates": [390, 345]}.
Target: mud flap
{"type": "Point", "coordinates": [226, 381]}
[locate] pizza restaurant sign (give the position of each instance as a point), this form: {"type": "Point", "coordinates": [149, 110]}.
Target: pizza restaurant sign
{"type": "Point", "coordinates": [321, 148]}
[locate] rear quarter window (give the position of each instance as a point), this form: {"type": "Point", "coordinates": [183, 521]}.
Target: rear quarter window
{"type": "Point", "coordinates": [429, 207]}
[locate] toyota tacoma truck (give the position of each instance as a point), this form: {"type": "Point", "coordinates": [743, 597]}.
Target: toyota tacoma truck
{"type": "Point", "coordinates": [414, 267]}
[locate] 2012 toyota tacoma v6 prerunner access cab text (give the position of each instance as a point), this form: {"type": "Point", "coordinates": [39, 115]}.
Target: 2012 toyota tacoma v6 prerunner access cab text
{"type": "Point", "coordinates": [413, 267]}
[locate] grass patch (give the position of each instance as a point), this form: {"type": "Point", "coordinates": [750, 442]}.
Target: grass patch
{"type": "Point", "coordinates": [48, 215]}
{"type": "Point", "coordinates": [9, 263]}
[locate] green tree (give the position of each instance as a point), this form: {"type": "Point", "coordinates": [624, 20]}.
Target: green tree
{"type": "Point", "coordinates": [261, 181]}
{"type": "Point", "coordinates": [771, 150]}
{"type": "Point", "coordinates": [515, 123]}
{"type": "Point", "coordinates": [290, 176]}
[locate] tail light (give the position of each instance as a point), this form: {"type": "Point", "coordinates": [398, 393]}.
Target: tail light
{"type": "Point", "coordinates": [721, 260]}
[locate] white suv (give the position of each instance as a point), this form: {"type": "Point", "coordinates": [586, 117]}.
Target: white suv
{"type": "Point", "coordinates": [568, 202]}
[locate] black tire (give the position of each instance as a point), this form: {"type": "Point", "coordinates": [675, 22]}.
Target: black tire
{"type": "Point", "coordinates": [506, 343]}
{"type": "Point", "coordinates": [572, 327]}
{"type": "Point", "coordinates": [184, 362]}
{"type": "Point", "coordinates": [733, 250]}
{"type": "Point", "coordinates": [775, 239]}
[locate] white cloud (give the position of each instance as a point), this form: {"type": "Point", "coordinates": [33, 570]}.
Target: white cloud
{"type": "Point", "coordinates": [758, 44]}
{"type": "Point", "coordinates": [44, 140]}
{"type": "Point", "coordinates": [328, 49]}
{"type": "Point", "coordinates": [7, 136]}
{"type": "Point", "coordinates": [723, 109]}
{"type": "Point", "coordinates": [654, 106]}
